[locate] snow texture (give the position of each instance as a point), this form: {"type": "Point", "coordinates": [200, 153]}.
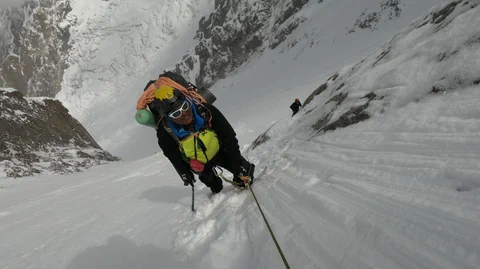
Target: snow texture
{"type": "Point", "coordinates": [399, 189]}
{"type": "Point", "coordinates": [114, 55]}
{"type": "Point", "coordinates": [39, 136]}
{"type": "Point", "coordinates": [11, 3]}
{"type": "Point", "coordinates": [33, 48]}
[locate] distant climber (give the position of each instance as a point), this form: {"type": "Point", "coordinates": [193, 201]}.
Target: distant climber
{"type": "Point", "coordinates": [295, 106]}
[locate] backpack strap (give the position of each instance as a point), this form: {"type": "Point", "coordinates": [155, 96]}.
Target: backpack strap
{"type": "Point", "coordinates": [169, 130]}
{"type": "Point", "coordinates": [205, 113]}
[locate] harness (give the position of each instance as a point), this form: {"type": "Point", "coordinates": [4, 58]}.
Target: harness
{"type": "Point", "coordinates": [199, 141]}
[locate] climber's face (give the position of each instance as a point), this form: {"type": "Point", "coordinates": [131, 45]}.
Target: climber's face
{"type": "Point", "coordinates": [182, 114]}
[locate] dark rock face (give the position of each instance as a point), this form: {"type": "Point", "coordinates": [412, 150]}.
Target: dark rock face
{"type": "Point", "coordinates": [262, 138]}
{"type": "Point", "coordinates": [335, 88]}
{"type": "Point", "coordinates": [441, 15]}
{"type": "Point", "coordinates": [388, 9]}
{"type": "Point", "coordinates": [34, 46]}
{"type": "Point", "coordinates": [38, 135]}
{"type": "Point", "coordinates": [352, 116]}
{"type": "Point", "coordinates": [237, 29]}
{"type": "Point", "coordinates": [337, 104]}
{"type": "Point", "coordinates": [35, 41]}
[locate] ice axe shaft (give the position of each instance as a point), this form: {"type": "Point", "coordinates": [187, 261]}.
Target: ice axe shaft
{"type": "Point", "coordinates": [193, 198]}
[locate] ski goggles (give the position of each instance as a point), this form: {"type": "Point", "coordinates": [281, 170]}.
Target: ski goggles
{"type": "Point", "coordinates": [177, 113]}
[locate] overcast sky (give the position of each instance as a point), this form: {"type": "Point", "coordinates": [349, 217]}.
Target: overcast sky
{"type": "Point", "coordinates": [10, 3]}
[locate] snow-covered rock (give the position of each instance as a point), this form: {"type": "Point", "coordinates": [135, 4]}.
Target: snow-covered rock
{"type": "Point", "coordinates": [116, 46]}
{"type": "Point", "coordinates": [234, 31]}
{"type": "Point", "coordinates": [34, 46]}
{"type": "Point", "coordinates": [39, 136]}
{"type": "Point", "coordinates": [431, 57]}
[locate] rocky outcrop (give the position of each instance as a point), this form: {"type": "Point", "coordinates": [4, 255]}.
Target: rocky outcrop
{"type": "Point", "coordinates": [39, 136]}
{"type": "Point", "coordinates": [419, 62]}
{"type": "Point", "coordinates": [338, 87]}
{"type": "Point", "coordinates": [230, 35]}
{"type": "Point", "coordinates": [34, 46]}
{"type": "Point", "coordinates": [368, 19]}
{"type": "Point", "coordinates": [35, 41]}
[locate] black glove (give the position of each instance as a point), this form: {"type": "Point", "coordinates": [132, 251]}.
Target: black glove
{"type": "Point", "coordinates": [246, 171]}
{"type": "Point", "coordinates": [188, 179]}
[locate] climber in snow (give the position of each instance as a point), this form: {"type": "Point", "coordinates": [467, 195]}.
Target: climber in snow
{"type": "Point", "coordinates": [295, 106]}
{"type": "Point", "coordinates": [193, 134]}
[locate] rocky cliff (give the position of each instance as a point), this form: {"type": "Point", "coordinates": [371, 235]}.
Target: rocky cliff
{"type": "Point", "coordinates": [39, 136]}
{"type": "Point", "coordinates": [34, 46]}
{"type": "Point", "coordinates": [231, 34]}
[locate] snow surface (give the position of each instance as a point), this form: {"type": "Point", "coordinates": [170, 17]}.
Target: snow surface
{"type": "Point", "coordinates": [115, 56]}
{"type": "Point", "coordinates": [117, 46]}
{"type": "Point", "coordinates": [400, 190]}
{"type": "Point", "coordinates": [8, 89]}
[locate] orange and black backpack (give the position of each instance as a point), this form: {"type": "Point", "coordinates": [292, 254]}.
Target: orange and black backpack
{"type": "Point", "coordinates": [176, 81]}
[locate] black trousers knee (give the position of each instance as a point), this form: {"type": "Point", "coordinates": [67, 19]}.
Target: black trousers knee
{"type": "Point", "coordinates": [208, 176]}
{"type": "Point", "coordinates": [210, 179]}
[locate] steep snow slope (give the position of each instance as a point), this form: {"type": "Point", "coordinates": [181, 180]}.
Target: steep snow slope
{"type": "Point", "coordinates": [114, 46]}
{"type": "Point", "coordinates": [399, 190]}
{"type": "Point", "coordinates": [312, 53]}
{"type": "Point", "coordinates": [115, 59]}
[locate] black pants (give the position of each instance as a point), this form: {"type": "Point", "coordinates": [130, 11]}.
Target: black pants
{"type": "Point", "coordinates": [208, 176]}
